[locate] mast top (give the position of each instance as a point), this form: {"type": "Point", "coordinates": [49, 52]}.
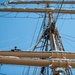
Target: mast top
{"type": "Point", "coordinates": [39, 2]}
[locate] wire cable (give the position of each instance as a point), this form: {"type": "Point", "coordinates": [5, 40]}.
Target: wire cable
{"type": "Point", "coordinates": [23, 71]}
{"type": "Point", "coordinates": [62, 24]}
{"type": "Point", "coordinates": [2, 74]}
{"type": "Point", "coordinates": [68, 36]}
{"type": "Point", "coordinates": [35, 70]}
{"type": "Point", "coordinates": [59, 10]}
{"type": "Point", "coordinates": [36, 17]}
{"type": "Point", "coordinates": [22, 17]}
{"type": "Point", "coordinates": [40, 29]}
{"type": "Point", "coordinates": [34, 32]}
{"type": "Point", "coordinates": [68, 39]}
{"type": "Point", "coordinates": [6, 14]}
{"type": "Point", "coordinates": [16, 45]}
{"type": "Point", "coordinates": [14, 70]}
{"type": "Point", "coordinates": [12, 39]}
{"type": "Point", "coordinates": [69, 44]}
{"type": "Point", "coordinates": [27, 73]}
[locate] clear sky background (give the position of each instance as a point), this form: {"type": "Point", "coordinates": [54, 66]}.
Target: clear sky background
{"type": "Point", "coordinates": [19, 32]}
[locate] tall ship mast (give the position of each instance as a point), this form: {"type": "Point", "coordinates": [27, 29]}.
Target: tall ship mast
{"type": "Point", "coordinates": [48, 56]}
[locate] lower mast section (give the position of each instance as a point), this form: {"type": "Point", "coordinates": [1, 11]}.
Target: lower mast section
{"type": "Point", "coordinates": [52, 42]}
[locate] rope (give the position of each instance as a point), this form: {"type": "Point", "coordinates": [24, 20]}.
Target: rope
{"type": "Point", "coordinates": [59, 10]}
{"type": "Point", "coordinates": [68, 36]}
{"type": "Point", "coordinates": [16, 45]}
{"type": "Point", "coordinates": [69, 39]}
{"type": "Point", "coordinates": [70, 44]}
{"type": "Point", "coordinates": [34, 32]}
{"type": "Point", "coordinates": [23, 71]}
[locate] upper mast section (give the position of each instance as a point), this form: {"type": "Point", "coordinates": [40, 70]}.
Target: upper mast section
{"type": "Point", "coordinates": [51, 32]}
{"type": "Point", "coordinates": [39, 2]}
{"type": "Point", "coordinates": [38, 10]}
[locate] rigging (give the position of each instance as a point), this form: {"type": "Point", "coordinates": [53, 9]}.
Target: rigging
{"type": "Point", "coordinates": [49, 42]}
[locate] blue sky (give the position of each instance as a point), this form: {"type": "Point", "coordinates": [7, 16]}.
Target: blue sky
{"type": "Point", "coordinates": [19, 32]}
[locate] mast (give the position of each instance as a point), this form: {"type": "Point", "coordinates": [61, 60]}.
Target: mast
{"type": "Point", "coordinates": [52, 38]}
{"type": "Point", "coordinates": [57, 60]}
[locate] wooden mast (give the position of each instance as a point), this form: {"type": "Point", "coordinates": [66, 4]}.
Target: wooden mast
{"type": "Point", "coordinates": [56, 57]}
{"type": "Point", "coordinates": [41, 10]}
{"type": "Point", "coordinates": [40, 2]}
